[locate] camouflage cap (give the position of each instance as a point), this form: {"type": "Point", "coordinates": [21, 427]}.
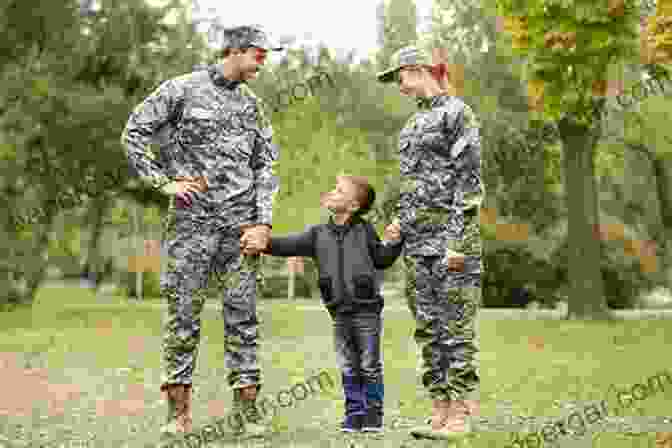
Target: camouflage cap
{"type": "Point", "coordinates": [410, 55]}
{"type": "Point", "coordinates": [249, 36]}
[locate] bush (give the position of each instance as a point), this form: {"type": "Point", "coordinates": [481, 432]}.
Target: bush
{"type": "Point", "coordinates": [513, 278]}
{"type": "Point", "coordinates": [151, 288]}
{"type": "Point", "coordinates": [622, 275]}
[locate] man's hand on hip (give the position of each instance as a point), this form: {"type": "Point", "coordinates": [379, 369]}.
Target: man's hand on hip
{"type": "Point", "coordinates": [184, 187]}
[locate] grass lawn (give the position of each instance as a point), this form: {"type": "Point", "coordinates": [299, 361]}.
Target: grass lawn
{"type": "Point", "coordinates": [91, 372]}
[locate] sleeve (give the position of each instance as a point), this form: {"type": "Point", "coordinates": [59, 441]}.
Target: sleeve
{"type": "Point", "coordinates": [408, 163]}
{"type": "Point", "coordinates": [383, 255]}
{"type": "Point", "coordinates": [159, 108]}
{"type": "Point", "coordinates": [295, 245]}
{"type": "Point", "coordinates": [266, 155]}
{"type": "Point", "coordinates": [466, 151]}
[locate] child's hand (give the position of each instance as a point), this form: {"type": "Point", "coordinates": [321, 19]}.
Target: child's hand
{"type": "Point", "coordinates": [455, 261]}
{"type": "Point", "coordinates": [393, 231]}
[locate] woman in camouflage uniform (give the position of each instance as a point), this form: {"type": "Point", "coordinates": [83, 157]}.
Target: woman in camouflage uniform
{"type": "Point", "coordinates": [438, 217]}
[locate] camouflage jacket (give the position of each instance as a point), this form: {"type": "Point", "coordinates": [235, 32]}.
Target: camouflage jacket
{"type": "Point", "coordinates": [206, 125]}
{"type": "Point", "coordinates": [440, 168]}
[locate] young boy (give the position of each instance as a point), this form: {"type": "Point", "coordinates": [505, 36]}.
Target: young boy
{"type": "Point", "coordinates": [349, 254]}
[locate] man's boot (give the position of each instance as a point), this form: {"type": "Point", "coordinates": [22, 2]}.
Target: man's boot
{"type": "Point", "coordinates": [245, 406]}
{"type": "Point", "coordinates": [450, 420]}
{"type": "Point", "coordinates": [178, 421]}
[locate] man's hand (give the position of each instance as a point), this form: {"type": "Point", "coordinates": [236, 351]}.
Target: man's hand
{"type": "Point", "coordinates": [184, 187]}
{"type": "Point", "coordinates": [393, 231]}
{"type": "Point", "coordinates": [255, 239]}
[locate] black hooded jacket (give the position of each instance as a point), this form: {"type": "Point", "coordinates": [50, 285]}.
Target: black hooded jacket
{"type": "Point", "coordinates": [349, 258]}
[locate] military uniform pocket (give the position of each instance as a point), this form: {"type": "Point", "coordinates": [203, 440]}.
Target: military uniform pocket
{"type": "Point", "coordinates": [199, 126]}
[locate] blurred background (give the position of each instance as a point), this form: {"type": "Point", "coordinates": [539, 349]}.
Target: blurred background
{"type": "Point", "coordinates": [72, 71]}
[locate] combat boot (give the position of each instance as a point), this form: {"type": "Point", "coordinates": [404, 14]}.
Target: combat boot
{"type": "Point", "coordinates": [450, 421]}
{"type": "Point", "coordinates": [245, 405]}
{"type": "Point", "coordinates": [178, 421]}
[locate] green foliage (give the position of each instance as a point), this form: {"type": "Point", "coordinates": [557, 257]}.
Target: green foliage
{"type": "Point", "coordinates": [512, 268]}
{"type": "Point", "coordinates": [622, 275]}
{"type": "Point", "coordinates": [70, 81]}
{"type": "Point", "coordinates": [570, 68]}
{"type": "Point", "coordinates": [314, 150]}
{"type": "Point", "coordinates": [398, 24]}
{"type": "Point", "coordinates": [150, 285]}
{"type": "Point", "coordinates": [651, 125]}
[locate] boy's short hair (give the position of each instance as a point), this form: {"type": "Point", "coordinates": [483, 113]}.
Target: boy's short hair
{"type": "Point", "coordinates": [365, 195]}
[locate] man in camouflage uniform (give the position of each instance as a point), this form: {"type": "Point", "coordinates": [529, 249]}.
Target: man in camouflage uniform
{"type": "Point", "coordinates": [216, 163]}
{"type": "Point", "coordinates": [438, 215]}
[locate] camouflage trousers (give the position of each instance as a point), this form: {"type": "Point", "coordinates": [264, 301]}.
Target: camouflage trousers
{"type": "Point", "coordinates": [194, 253]}
{"type": "Point", "coordinates": [444, 305]}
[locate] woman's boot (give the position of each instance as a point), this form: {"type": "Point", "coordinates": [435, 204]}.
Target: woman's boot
{"type": "Point", "coordinates": [179, 419]}
{"type": "Point", "coordinates": [245, 405]}
{"type": "Point", "coordinates": [450, 420]}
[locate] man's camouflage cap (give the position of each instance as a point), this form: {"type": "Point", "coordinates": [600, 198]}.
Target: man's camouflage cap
{"type": "Point", "coordinates": [410, 55]}
{"type": "Point", "coordinates": [249, 36]}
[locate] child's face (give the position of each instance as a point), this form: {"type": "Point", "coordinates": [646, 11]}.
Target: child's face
{"type": "Point", "coordinates": [342, 198]}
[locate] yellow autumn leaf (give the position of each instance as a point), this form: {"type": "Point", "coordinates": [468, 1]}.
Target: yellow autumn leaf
{"type": "Point", "coordinates": [664, 8]}
{"type": "Point", "coordinates": [599, 87]}
{"type": "Point", "coordinates": [649, 263]}
{"type": "Point", "coordinates": [535, 94]}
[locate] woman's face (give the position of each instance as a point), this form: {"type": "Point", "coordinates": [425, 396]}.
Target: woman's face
{"type": "Point", "coordinates": [412, 81]}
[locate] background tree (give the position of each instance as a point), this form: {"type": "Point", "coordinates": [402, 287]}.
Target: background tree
{"type": "Point", "coordinates": [71, 84]}
{"type": "Point", "coordinates": [399, 25]}
{"type": "Point", "coordinates": [569, 49]}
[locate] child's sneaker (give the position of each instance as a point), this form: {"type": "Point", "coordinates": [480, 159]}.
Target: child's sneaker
{"type": "Point", "coordinates": [352, 423]}
{"type": "Point", "coordinates": [373, 421]}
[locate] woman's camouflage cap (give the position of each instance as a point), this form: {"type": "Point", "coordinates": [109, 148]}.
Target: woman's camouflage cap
{"type": "Point", "coordinates": [249, 36]}
{"type": "Point", "coordinates": [410, 55]}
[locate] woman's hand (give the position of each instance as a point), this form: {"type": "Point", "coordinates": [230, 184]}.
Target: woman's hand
{"type": "Point", "coordinates": [393, 231]}
{"type": "Point", "coordinates": [455, 261]}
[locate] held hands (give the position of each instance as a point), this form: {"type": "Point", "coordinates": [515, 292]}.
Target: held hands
{"type": "Point", "coordinates": [254, 239]}
{"type": "Point", "coordinates": [392, 232]}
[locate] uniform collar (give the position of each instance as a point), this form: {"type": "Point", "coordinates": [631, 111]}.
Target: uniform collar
{"type": "Point", "coordinates": [217, 76]}
{"type": "Point", "coordinates": [432, 101]}
{"type": "Point", "coordinates": [343, 227]}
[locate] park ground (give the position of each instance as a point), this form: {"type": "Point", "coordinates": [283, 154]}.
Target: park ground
{"type": "Point", "coordinates": [81, 371]}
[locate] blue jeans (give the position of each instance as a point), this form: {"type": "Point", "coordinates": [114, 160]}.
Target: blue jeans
{"type": "Point", "coordinates": [357, 339]}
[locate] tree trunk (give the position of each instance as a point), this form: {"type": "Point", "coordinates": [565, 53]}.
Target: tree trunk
{"type": "Point", "coordinates": [586, 298]}
{"type": "Point", "coordinates": [663, 179]}
{"type": "Point", "coordinates": [36, 272]}
{"type": "Point", "coordinates": [94, 265]}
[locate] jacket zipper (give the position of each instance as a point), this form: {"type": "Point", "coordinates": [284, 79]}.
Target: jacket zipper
{"type": "Point", "coordinates": [341, 280]}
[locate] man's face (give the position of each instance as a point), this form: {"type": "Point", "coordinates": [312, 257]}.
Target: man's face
{"type": "Point", "coordinates": [341, 199]}
{"type": "Point", "coordinates": [249, 62]}
{"type": "Point", "coordinates": [411, 81]}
